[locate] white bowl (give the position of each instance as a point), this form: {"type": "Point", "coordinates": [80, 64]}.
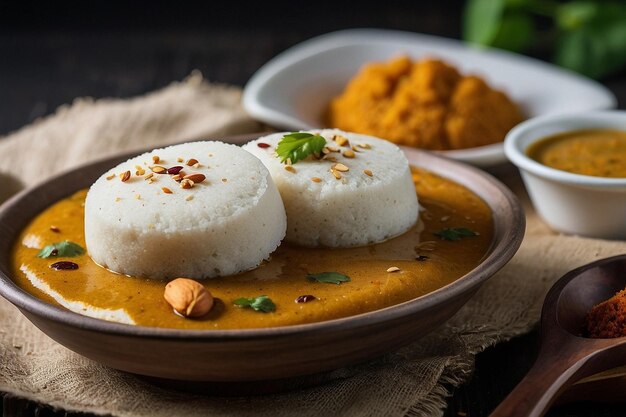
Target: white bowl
{"type": "Point", "coordinates": [292, 90]}
{"type": "Point", "coordinates": [571, 203]}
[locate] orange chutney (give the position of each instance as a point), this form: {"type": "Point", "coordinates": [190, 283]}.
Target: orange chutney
{"type": "Point", "coordinates": [426, 263]}
{"type": "Point", "coordinates": [598, 152]}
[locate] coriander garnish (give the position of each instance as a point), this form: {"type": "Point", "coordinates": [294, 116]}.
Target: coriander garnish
{"type": "Point", "coordinates": [63, 249]}
{"type": "Point", "coordinates": [455, 233]}
{"type": "Point", "coordinates": [329, 277]}
{"type": "Point", "coordinates": [298, 145]}
{"type": "Point", "coordinates": [261, 303]}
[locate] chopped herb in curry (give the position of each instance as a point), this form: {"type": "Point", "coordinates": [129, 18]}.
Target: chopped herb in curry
{"type": "Point", "coordinates": [329, 277]}
{"type": "Point", "coordinates": [61, 249]}
{"type": "Point", "coordinates": [455, 233]}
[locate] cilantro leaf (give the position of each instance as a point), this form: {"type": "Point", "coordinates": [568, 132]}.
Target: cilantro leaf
{"type": "Point", "coordinates": [261, 303]}
{"type": "Point", "coordinates": [298, 145]}
{"type": "Point", "coordinates": [455, 233]}
{"type": "Point", "coordinates": [61, 249]}
{"type": "Point", "coordinates": [329, 277]}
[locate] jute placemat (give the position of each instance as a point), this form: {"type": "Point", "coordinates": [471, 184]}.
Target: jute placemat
{"type": "Point", "coordinates": [411, 382]}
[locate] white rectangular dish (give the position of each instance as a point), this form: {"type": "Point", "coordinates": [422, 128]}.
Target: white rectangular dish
{"type": "Point", "coordinates": [292, 90]}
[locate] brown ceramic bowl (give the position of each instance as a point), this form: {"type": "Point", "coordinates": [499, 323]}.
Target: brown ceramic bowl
{"type": "Point", "coordinates": [249, 355]}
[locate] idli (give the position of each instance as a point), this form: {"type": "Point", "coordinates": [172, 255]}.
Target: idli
{"type": "Point", "coordinates": [356, 190]}
{"type": "Point", "coordinates": [197, 210]}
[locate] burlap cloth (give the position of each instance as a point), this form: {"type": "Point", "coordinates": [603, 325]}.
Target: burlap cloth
{"type": "Point", "coordinates": [413, 381]}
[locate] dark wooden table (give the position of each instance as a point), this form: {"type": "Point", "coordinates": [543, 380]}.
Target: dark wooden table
{"type": "Point", "coordinates": [52, 53]}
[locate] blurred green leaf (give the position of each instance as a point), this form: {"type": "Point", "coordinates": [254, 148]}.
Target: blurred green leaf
{"type": "Point", "coordinates": [595, 44]}
{"type": "Point", "coordinates": [515, 33]}
{"type": "Point", "coordinates": [481, 20]}
{"type": "Point", "coordinates": [573, 15]}
{"type": "Point", "coordinates": [591, 34]}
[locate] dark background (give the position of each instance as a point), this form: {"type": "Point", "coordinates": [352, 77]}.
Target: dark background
{"type": "Point", "coordinates": [52, 52]}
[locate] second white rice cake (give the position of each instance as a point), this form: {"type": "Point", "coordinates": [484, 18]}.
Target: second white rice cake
{"type": "Point", "coordinates": [149, 226]}
{"type": "Point", "coordinates": [372, 201]}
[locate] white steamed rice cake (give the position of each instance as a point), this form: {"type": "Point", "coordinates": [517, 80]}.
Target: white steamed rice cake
{"type": "Point", "coordinates": [361, 191]}
{"type": "Point", "coordinates": [149, 226]}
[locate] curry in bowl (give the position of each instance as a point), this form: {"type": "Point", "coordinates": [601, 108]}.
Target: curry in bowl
{"type": "Point", "coordinates": [267, 352]}
{"type": "Point", "coordinates": [299, 283]}
{"type": "Point", "coordinates": [452, 238]}
{"type": "Point", "coordinates": [594, 152]}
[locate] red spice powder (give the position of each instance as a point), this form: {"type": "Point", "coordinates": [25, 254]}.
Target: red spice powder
{"type": "Point", "coordinates": [608, 319]}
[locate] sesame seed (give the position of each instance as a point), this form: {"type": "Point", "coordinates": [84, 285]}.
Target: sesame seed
{"type": "Point", "coordinates": [316, 179]}
{"type": "Point", "coordinates": [110, 177]}
{"type": "Point", "coordinates": [368, 172]}
{"type": "Point", "coordinates": [166, 190]}
{"type": "Point", "coordinates": [335, 174]}
{"type": "Point", "coordinates": [55, 229]}
{"type": "Point", "coordinates": [189, 198]}
{"type": "Point", "coordinates": [150, 175]}
{"type": "Point", "coordinates": [364, 145]}
{"type": "Point", "coordinates": [341, 140]}
{"type": "Point", "coordinates": [175, 170]}
{"type": "Point", "coordinates": [341, 167]}
{"type": "Point", "coordinates": [196, 177]}
{"type": "Point", "coordinates": [186, 184]}
{"type": "Point", "coordinates": [290, 169]}
{"type": "Point", "coordinates": [224, 179]}
{"type": "Point", "coordinates": [179, 159]}
{"type": "Point", "coordinates": [117, 199]}
{"type": "Point", "coordinates": [349, 154]}
{"type": "Point", "coordinates": [393, 269]}
{"type": "Point", "coordinates": [137, 196]}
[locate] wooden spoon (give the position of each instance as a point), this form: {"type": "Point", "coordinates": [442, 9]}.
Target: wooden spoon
{"type": "Point", "coordinates": [565, 355]}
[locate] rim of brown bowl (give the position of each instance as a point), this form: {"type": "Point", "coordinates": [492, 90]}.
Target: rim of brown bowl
{"type": "Point", "coordinates": [509, 226]}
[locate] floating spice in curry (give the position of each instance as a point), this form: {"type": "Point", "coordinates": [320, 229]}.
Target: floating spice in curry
{"type": "Point", "coordinates": [305, 298]}
{"type": "Point", "coordinates": [64, 266]}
